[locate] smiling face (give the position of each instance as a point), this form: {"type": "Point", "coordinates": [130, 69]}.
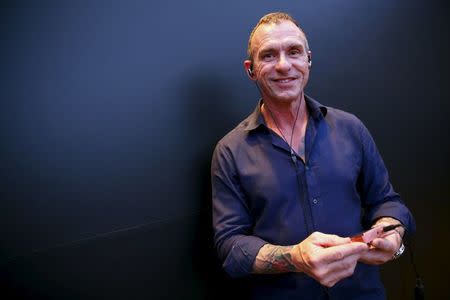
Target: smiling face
{"type": "Point", "coordinates": [280, 61]}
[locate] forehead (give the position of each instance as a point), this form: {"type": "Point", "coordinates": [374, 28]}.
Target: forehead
{"type": "Point", "coordinates": [274, 35]}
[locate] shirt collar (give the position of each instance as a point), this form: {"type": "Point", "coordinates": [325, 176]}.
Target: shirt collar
{"type": "Point", "coordinates": [316, 110]}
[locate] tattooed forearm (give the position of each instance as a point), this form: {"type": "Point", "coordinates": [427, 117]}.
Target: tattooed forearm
{"type": "Point", "coordinates": [274, 259]}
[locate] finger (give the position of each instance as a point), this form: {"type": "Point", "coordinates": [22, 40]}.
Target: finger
{"type": "Point", "coordinates": [339, 270]}
{"type": "Point", "coordinates": [328, 240]}
{"type": "Point", "coordinates": [339, 252]}
{"type": "Point", "coordinates": [379, 243]}
{"type": "Point", "coordinates": [394, 237]}
{"type": "Point", "coordinates": [384, 244]}
{"type": "Point", "coordinates": [347, 263]}
{"type": "Point", "coordinates": [375, 257]}
{"type": "Point", "coordinates": [392, 232]}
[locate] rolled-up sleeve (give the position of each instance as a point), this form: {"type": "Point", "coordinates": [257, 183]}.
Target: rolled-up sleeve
{"type": "Point", "coordinates": [236, 246]}
{"type": "Point", "coordinates": [378, 195]}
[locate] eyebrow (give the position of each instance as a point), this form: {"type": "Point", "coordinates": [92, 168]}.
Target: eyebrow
{"type": "Point", "coordinates": [272, 48]}
{"type": "Point", "coordinates": [266, 51]}
{"type": "Point", "coordinates": [296, 45]}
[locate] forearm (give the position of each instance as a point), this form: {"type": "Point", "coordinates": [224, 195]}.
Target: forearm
{"type": "Point", "coordinates": [324, 257]}
{"type": "Point", "coordinates": [273, 259]}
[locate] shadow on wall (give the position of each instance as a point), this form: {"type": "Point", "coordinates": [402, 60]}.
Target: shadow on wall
{"type": "Point", "coordinates": [172, 258]}
{"type": "Point", "coordinates": [210, 115]}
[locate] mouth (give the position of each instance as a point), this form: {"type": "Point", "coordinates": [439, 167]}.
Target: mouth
{"type": "Point", "coordinates": [284, 80]}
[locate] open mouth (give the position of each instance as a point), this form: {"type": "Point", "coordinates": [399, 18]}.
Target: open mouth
{"type": "Point", "coordinates": [284, 80]}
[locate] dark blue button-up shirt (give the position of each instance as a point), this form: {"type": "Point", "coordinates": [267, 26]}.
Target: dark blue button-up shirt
{"type": "Point", "coordinates": [261, 195]}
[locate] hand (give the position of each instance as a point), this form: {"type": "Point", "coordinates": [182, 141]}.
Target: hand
{"type": "Point", "coordinates": [382, 249]}
{"type": "Point", "coordinates": [327, 258]}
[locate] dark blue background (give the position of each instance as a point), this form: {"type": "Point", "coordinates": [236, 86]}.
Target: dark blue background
{"type": "Point", "coordinates": [110, 111]}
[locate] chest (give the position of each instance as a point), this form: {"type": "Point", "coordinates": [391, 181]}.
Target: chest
{"type": "Point", "coordinates": [271, 180]}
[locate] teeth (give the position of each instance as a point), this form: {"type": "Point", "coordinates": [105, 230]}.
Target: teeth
{"type": "Point", "coordinates": [284, 80]}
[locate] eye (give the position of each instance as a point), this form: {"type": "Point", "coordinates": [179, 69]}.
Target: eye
{"type": "Point", "coordinates": [295, 52]}
{"type": "Point", "coordinates": [268, 56]}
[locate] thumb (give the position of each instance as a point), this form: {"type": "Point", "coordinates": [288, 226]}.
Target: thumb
{"type": "Point", "coordinates": [328, 240]}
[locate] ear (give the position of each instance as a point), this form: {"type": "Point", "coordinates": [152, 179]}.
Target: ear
{"type": "Point", "coordinates": [248, 65]}
{"type": "Point", "coordinates": [309, 58]}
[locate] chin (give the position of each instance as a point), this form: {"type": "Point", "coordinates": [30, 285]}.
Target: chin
{"type": "Point", "coordinates": [287, 97]}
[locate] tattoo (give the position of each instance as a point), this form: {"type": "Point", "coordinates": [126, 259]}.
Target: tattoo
{"type": "Point", "coordinates": [274, 259]}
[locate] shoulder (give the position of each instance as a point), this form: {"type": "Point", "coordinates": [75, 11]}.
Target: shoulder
{"type": "Point", "coordinates": [342, 118]}
{"type": "Point", "coordinates": [234, 139]}
{"type": "Point", "coordinates": [344, 121]}
{"type": "Point", "coordinates": [348, 125]}
{"type": "Point", "coordinates": [340, 123]}
{"type": "Point", "coordinates": [331, 115]}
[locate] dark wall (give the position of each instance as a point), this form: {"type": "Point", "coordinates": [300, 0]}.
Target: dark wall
{"type": "Point", "coordinates": [110, 111]}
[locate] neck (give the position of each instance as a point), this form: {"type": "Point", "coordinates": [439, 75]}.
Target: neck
{"type": "Point", "coordinates": [284, 114]}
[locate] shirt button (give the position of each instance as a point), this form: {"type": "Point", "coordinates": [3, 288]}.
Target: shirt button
{"type": "Point", "coordinates": [315, 201]}
{"type": "Point", "coordinates": [307, 167]}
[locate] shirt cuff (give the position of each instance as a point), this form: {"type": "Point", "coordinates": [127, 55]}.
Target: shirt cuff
{"type": "Point", "coordinates": [239, 261]}
{"type": "Point", "coordinates": [397, 211]}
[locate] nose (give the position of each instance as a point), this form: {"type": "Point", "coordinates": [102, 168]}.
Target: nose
{"type": "Point", "coordinates": [283, 64]}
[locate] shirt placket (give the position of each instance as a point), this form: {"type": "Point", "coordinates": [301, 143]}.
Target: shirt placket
{"type": "Point", "coordinates": [305, 178]}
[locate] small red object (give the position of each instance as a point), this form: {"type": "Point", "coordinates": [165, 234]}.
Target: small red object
{"type": "Point", "coordinates": [369, 235]}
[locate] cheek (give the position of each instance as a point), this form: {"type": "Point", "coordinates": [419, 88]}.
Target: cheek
{"type": "Point", "coordinates": [264, 69]}
{"type": "Point", "coordinates": [304, 70]}
{"type": "Point", "coordinates": [306, 76]}
{"type": "Point", "coordinates": [302, 67]}
{"type": "Point", "coordinates": [261, 74]}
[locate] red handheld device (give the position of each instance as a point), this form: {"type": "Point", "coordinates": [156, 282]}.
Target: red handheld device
{"type": "Point", "coordinates": [371, 234]}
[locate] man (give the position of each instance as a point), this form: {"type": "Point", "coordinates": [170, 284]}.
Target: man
{"type": "Point", "coordinates": [295, 180]}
